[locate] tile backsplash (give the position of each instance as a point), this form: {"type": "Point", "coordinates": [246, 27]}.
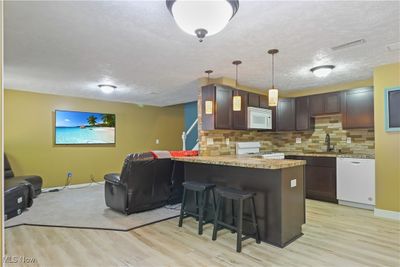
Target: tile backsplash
{"type": "Point", "coordinates": [224, 141]}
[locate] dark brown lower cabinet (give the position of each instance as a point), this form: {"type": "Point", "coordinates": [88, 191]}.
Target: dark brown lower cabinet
{"type": "Point", "coordinates": [320, 177]}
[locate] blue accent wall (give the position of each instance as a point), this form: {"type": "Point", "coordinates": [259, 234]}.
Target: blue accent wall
{"type": "Point", "coordinates": [190, 111]}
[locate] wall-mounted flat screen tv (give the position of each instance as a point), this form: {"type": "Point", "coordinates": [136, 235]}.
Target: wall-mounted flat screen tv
{"type": "Point", "coordinates": [78, 128]}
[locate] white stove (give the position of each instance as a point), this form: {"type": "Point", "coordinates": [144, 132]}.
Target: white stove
{"type": "Point", "coordinates": [253, 149]}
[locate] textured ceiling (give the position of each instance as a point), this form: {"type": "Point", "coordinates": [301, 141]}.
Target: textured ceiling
{"type": "Point", "coordinates": [68, 48]}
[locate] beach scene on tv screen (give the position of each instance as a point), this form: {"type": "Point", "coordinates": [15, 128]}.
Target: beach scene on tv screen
{"type": "Point", "coordinates": [74, 127]}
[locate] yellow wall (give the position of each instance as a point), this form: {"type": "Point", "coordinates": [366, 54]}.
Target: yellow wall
{"type": "Point", "coordinates": [387, 144]}
{"type": "Point", "coordinates": [29, 136]}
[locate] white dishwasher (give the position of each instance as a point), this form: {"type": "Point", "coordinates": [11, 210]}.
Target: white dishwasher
{"type": "Point", "coordinates": [356, 182]}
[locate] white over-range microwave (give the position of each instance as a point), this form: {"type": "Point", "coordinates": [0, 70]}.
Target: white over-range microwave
{"type": "Point", "coordinates": [259, 118]}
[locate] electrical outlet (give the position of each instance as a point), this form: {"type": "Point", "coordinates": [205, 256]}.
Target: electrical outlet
{"type": "Point", "coordinates": [210, 141]}
{"type": "Point", "coordinates": [348, 140]}
{"type": "Point", "coordinates": [69, 174]}
{"type": "Point", "coordinates": [227, 141]}
{"type": "Point", "coordinates": [157, 141]}
{"type": "Point", "coordinates": [298, 140]}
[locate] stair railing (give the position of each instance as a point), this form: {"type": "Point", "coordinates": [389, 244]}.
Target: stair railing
{"type": "Point", "coordinates": [185, 134]}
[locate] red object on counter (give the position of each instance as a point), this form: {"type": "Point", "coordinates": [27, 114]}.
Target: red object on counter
{"type": "Point", "coordinates": [184, 153]}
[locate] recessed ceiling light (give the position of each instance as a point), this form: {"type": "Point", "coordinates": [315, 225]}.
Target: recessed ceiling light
{"type": "Point", "coordinates": [322, 71]}
{"type": "Point", "coordinates": [107, 88]}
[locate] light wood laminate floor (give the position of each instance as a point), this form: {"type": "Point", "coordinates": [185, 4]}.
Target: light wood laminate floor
{"type": "Point", "coordinates": [333, 236]}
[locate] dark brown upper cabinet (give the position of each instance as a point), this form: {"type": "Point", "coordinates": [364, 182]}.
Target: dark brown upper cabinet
{"type": "Point", "coordinates": [221, 117]}
{"type": "Point", "coordinates": [358, 108]}
{"type": "Point", "coordinates": [264, 101]}
{"type": "Point", "coordinates": [332, 103]}
{"type": "Point", "coordinates": [223, 107]}
{"type": "Point", "coordinates": [208, 94]}
{"type": "Point", "coordinates": [240, 117]}
{"type": "Point", "coordinates": [254, 100]}
{"type": "Point", "coordinates": [316, 105]}
{"type": "Point", "coordinates": [285, 115]}
{"type": "Point", "coordinates": [303, 118]}
{"type": "Point", "coordinates": [324, 104]}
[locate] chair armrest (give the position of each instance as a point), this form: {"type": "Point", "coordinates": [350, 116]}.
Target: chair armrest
{"type": "Point", "coordinates": [113, 178]}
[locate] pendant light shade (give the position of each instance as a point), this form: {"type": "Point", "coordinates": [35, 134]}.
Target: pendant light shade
{"type": "Point", "coordinates": [273, 92]}
{"type": "Point", "coordinates": [208, 104]}
{"type": "Point", "coordinates": [272, 97]}
{"type": "Point", "coordinates": [237, 103]}
{"type": "Point", "coordinates": [202, 18]}
{"type": "Point", "coordinates": [237, 99]}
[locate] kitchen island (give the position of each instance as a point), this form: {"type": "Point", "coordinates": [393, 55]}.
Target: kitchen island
{"type": "Point", "coordinates": [278, 184]}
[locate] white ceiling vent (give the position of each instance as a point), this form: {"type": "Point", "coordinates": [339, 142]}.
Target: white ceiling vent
{"type": "Point", "coordinates": [349, 44]}
{"type": "Point", "coordinates": [393, 47]}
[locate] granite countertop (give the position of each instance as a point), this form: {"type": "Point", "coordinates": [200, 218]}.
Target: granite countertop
{"type": "Point", "coordinates": [247, 162]}
{"type": "Point", "coordinates": [330, 154]}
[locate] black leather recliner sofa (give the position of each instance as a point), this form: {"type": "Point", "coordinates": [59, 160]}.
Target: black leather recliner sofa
{"type": "Point", "coordinates": [144, 184]}
{"type": "Point", "coordinates": [35, 180]}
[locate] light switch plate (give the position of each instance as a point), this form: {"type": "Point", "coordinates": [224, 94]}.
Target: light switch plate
{"type": "Point", "coordinates": [298, 140]}
{"type": "Point", "coordinates": [210, 141]}
{"type": "Point", "coordinates": [227, 141]}
{"type": "Point", "coordinates": [293, 183]}
{"type": "Point", "coordinates": [157, 141]}
{"type": "Point", "coordinates": [348, 140]}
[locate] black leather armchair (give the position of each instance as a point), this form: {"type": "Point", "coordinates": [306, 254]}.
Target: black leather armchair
{"type": "Point", "coordinates": [35, 180]}
{"type": "Point", "coordinates": [144, 184]}
{"type": "Point", "coordinates": [18, 195]}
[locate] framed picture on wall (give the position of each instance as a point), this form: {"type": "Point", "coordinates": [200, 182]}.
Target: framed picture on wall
{"type": "Point", "coordinates": [392, 109]}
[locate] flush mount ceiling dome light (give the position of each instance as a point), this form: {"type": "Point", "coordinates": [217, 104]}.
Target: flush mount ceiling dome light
{"type": "Point", "coordinates": [202, 18]}
{"type": "Point", "coordinates": [322, 71]}
{"type": "Point", "coordinates": [107, 88]}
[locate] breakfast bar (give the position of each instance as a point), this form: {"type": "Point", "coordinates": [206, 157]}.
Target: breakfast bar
{"type": "Point", "coordinates": [278, 184]}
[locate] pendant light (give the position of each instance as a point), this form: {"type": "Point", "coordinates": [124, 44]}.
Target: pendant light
{"type": "Point", "coordinates": [273, 92]}
{"type": "Point", "coordinates": [208, 104]}
{"type": "Point", "coordinates": [202, 18]}
{"type": "Point", "coordinates": [237, 99]}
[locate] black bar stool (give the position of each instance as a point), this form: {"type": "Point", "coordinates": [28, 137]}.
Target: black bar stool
{"type": "Point", "coordinates": [239, 196]}
{"type": "Point", "coordinates": [201, 196]}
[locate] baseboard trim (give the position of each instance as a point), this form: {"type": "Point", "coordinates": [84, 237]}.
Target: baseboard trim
{"type": "Point", "coordinates": [394, 215]}
{"type": "Point", "coordinates": [356, 205]}
{"type": "Point", "coordinates": [47, 189]}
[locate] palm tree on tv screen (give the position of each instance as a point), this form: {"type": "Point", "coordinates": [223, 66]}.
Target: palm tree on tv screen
{"type": "Point", "coordinates": [92, 120]}
{"type": "Point", "coordinates": [108, 120]}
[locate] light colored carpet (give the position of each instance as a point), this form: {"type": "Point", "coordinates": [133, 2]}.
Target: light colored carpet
{"type": "Point", "coordinates": [85, 208]}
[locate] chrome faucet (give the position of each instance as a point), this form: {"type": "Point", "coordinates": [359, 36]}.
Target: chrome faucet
{"type": "Point", "coordinates": [329, 148]}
